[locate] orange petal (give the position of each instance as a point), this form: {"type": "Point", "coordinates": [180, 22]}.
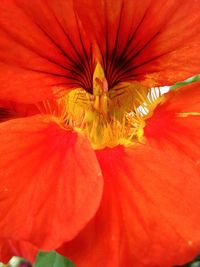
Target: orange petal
{"type": "Point", "coordinates": [42, 50]}
{"type": "Point", "coordinates": [141, 40]}
{"type": "Point", "coordinates": [50, 182]}
{"type": "Point", "coordinates": [177, 121]}
{"type": "Point", "coordinates": [150, 212]}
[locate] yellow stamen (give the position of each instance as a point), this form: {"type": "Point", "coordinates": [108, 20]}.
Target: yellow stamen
{"type": "Point", "coordinates": [109, 116]}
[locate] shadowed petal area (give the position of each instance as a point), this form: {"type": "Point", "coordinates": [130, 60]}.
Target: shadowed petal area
{"type": "Point", "coordinates": [6, 114]}
{"type": "Point", "coordinates": [150, 212]}
{"type": "Point", "coordinates": [9, 248]}
{"type": "Point", "coordinates": [43, 50]}
{"type": "Point", "coordinates": [153, 41]}
{"type": "Point", "coordinates": [12, 110]}
{"type": "Point", "coordinates": [48, 177]}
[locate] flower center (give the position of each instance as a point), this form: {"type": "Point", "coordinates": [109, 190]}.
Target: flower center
{"type": "Point", "coordinates": [109, 116]}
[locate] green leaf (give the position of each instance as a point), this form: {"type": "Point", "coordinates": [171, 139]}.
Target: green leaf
{"type": "Point", "coordinates": [52, 259]}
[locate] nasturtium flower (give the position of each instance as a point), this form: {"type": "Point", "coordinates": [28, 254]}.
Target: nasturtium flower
{"type": "Point", "coordinates": [93, 163]}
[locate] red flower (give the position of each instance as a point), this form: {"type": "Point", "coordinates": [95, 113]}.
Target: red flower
{"type": "Point", "coordinates": [82, 170]}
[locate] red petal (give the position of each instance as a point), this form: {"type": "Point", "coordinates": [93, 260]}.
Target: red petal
{"type": "Point", "coordinates": [150, 211]}
{"type": "Point", "coordinates": [9, 248]}
{"type": "Point", "coordinates": [152, 41]}
{"type": "Point", "coordinates": [149, 214]}
{"type": "Point", "coordinates": [50, 182]}
{"type": "Point", "coordinates": [177, 121]}
{"type": "Point", "coordinates": [42, 50]}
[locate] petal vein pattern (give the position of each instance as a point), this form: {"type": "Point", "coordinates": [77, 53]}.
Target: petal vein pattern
{"type": "Point", "coordinates": [58, 49]}
{"type": "Point", "coordinates": [139, 41]}
{"type": "Point", "coordinates": [47, 56]}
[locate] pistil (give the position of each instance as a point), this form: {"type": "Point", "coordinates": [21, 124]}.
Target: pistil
{"type": "Point", "coordinates": [100, 90]}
